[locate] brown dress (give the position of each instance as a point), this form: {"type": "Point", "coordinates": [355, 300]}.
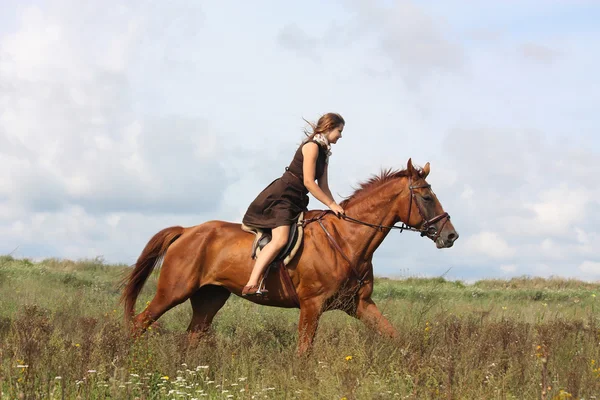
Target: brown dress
{"type": "Point", "coordinates": [286, 197]}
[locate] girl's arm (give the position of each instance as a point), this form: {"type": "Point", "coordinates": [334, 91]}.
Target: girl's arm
{"type": "Point", "coordinates": [310, 151]}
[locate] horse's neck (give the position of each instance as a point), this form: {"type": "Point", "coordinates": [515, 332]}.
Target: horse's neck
{"type": "Point", "coordinates": [378, 209]}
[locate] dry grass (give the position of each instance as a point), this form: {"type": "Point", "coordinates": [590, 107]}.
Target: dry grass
{"type": "Point", "coordinates": [61, 336]}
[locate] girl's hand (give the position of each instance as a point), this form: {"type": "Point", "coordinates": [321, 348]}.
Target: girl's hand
{"type": "Point", "coordinates": [337, 209]}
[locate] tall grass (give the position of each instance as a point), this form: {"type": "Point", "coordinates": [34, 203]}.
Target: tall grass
{"type": "Point", "coordinates": [61, 337]}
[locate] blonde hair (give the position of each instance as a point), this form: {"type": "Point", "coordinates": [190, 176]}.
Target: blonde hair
{"type": "Point", "coordinates": [326, 123]}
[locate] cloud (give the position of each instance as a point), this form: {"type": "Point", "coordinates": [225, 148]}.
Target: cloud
{"type": "Point", "coordinates": [294, 38]}
{"type": "Point", "coordinates": [401, 39]}
{"type": "Point", "coordinates": [508, 268]}
{"type": "Point", "coordinates": [116, 121]}
{"type": "Point", "coordinates": [559, 208]}
{"type": "Point", "coordinates": [489, 244]}
{"type": "Point", "coordinates": [73, 136]}
{"type": "Point", "coordinates": [539, 53]}
{"type": "Point", "coordinates": [591, 268]}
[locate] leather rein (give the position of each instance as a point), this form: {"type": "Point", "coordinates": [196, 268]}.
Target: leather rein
{"type": "Point", "coordinates": [427, 227]}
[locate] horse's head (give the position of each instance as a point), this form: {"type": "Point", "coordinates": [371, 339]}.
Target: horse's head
{"type": "Point", "coordinates": [424, 211]}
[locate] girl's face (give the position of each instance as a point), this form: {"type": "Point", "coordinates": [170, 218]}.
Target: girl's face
{"type": "Point", "coordinates": [335, 134]}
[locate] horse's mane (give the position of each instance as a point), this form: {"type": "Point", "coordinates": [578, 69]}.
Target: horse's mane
{"type": "Point", "coordinates": [375, 181]}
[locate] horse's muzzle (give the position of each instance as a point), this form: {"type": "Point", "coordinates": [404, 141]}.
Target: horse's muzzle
{"type": "Point", "coordinates": [446, 239]}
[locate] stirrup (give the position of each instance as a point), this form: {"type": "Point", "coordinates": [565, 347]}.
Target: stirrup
{"type": "Point", "coordinates": [253, 290]}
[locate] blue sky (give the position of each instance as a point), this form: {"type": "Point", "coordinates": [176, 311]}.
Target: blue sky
{"type": "Point", "coordinates": [117, 120]}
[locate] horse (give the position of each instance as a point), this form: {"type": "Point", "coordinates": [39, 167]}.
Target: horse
{"type": "Point", "coordinates": [332, 269]}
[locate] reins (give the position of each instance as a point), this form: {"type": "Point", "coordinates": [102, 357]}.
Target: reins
{"type": "Point", "coordinates": [424, 230]}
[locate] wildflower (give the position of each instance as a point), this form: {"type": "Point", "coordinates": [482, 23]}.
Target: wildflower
{"type": "Point", "coordinates": [165, 378]}
{"type": "Point", "coordinates": [77, 345]}
{"type": "Point", "coordinates": [505, 308]}
{"type": "Point", "coordinates": [91, 371]}
{"type": "Point", "coordinates": [23, 366]}
{"type": "Point", "coordinates": [545, 304]}
{"type": "Point", "coordinates": [593, 294]}
{"type": "Point", "coordinates": [539, 353]}
{"type": "Point", "coordinates": [563, 394]}
{"type": "Point", "coordinates": [348, 358]}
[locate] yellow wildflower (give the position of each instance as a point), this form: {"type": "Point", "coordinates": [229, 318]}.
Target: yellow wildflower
{"type": "Point", "coordinates": [563, 394]}
{"type": "Point", "coordinates": [348, 358]}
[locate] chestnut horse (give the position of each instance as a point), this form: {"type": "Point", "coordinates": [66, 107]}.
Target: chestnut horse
{"type": "Point", "coordinates": [332, 269]}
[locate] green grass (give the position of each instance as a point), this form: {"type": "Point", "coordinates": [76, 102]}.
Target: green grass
{"type": "Point", "coordinates": [62, 336]}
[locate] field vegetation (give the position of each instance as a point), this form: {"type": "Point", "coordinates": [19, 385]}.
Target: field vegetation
{"type": "Point", "coordinates": [62, 337]}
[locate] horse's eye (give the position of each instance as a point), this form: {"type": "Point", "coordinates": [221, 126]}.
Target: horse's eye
{"type": "Point", "coordinates": [427, 198]}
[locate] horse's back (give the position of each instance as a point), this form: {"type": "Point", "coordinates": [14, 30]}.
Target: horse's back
{"type": "Point", "coordinates": [217, 227]}
{"type": "Point", "coordinates": [214, 235]}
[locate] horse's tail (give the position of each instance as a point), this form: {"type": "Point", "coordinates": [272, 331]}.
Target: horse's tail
{"type": "Point", "coordinates": [155, 248]}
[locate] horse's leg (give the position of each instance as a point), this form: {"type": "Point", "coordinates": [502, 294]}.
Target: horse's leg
{"type": "Point", "coordinates": [367, 312]}
{"type": "Point", "coordinates": [177, 282]}
{"type": "Point", "coordinates": [310, 312]}
{"type": "Point", "coordinates": [206, 302]}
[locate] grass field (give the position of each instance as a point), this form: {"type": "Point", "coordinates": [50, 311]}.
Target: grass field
{"type": "Point", "coordinates": [62, 337]}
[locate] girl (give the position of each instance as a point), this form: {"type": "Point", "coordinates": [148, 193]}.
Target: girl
{"type": "Point", "coordinates": [280, 203]}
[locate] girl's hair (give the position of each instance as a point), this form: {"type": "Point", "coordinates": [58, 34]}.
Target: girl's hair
{"type": "Point", "coordinates": [326, 123]}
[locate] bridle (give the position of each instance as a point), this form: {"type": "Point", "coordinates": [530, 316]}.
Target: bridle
{"type": "Point", "coordinates": [428, 224]}
{"type": "Point", "coordinates": [427, 227]}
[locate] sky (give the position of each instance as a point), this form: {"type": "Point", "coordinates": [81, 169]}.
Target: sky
{"type": "Point", "coordinates": [120, 119]}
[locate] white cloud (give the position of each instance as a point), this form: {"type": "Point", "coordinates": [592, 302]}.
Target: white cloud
{"type": "Point", "coordinates": [76, 138]}
{"type": "Point", "coordinates": [508, 268]}
{"type": "Point", "coordinates": [560, 208]}
{"type": "Point", "coordinates": [539, 53]}
{"type": "Point", "coordinates": [489, 244]}
{"type": "Point", "coordinates": [590, 268]}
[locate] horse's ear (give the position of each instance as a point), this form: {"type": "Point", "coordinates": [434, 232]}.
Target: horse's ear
{"type": "Point", "coordinates": [426, 170]}
{"type": "Point", "coordinates": [410, 168]}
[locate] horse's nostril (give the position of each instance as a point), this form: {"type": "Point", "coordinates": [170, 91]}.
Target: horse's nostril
{"type": "Point", "coordinates": [452, 236]}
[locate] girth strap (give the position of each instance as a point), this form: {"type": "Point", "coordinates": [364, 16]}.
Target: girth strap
{"type": "Point", "coordinates": [287, 281]}
{"type": "Point", "coordinates": [338, 248]}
